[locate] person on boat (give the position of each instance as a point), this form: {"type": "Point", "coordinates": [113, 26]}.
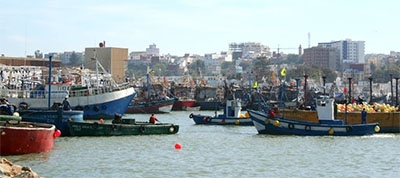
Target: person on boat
{"type": "Point", "coordinates": [363, 116]}
{"type": "Point", "coordinates": [271, 113]}
{"type": "Point", "coordinates": [6, 108]}
{"type": "Point", "coordinates": [66, 105]}
{"type": "Point", "coordinates": [153, 119]}
{"type": "Point", "coordinates": [117, 119]}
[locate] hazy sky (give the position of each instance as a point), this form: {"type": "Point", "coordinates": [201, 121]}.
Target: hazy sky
{"type": "Point", "coordinates": [194, 26]}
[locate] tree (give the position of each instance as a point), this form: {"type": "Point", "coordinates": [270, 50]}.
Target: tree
{"type": "Point", "coordinates": [294, 59]}
{"type": "Point", "coordinates": [226, 68]}
{"type": "Point", "coordinates": [260, 67]}
{"type": "Point", "coordinates": [198, 67]}
{"type": "Point", "coordinates": [245, 64]}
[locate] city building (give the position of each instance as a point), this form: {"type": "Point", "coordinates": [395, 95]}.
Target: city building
{"type": "Point", "coordinates": [324, 57]}
{"type": "Point", "coordinates": [71, 58]}
{"type": "Point", "coordinates": [114, 60]}
{"type": "Point", "coordinates": [213, 61]}
{"type": "Point", "coordinates": [249, 50]}
{"type": "Point", "coordinates": [152, 50]}
{"type": "Point", "coordinates": [350, 51]}
{"type": "Point", "coordinates": [23, 61]}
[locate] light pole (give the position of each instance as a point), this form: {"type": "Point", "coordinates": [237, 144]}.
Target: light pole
{"type": "Point", "coordinates": [370, 89]}
{"type": "Point", "coordinates": [323, 80]}
{"type": "Point", "coordinates": [397, 93]}
{"type": "Point", "coordinates": [349, 89]}
{"type": "Point", "coordinates": [391, 89]}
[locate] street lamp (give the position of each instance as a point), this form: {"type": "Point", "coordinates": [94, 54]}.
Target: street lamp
{"type": "Point", "coordinates": [349, 89]}
{"type": "Point", "coordinates": [323, 80]}
{"type": "Point", "coordinates": [391, 89]}
{"type": "Point", "coordinates": [397, 93]}
{"type": "Point", "coordinates": [370, 90]}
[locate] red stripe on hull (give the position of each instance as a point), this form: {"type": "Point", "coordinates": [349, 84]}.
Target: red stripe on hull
{"type": "Point", "coordinates": [21, 140]}
{"type": "Point", "coordinates": [150, 109]}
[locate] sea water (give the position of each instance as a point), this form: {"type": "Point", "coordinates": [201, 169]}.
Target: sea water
{"type": "Point", "coordinates": [216, 151]}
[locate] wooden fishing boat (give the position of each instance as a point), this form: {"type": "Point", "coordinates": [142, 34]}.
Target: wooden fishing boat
{"type": "Point", "coordinates": [184, 93]}
{"type": "Point", "coordinates": [151, 106]}
{"type": "Point", "coordinates": [232, 116]}
{"type": "Point", "coordinates": [151, 97]}
{"type": "Point", "coordinates": [26, 137]}
{"type": "Point", "coordinates": [326, 125]}
{"type": "Point", "coordinates": [126, 127]}
{"type": "Point", "coordinates": [389, 122]}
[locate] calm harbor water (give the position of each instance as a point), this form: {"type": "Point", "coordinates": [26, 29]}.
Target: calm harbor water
{"type": "Point", "coordinates": [217, 151]}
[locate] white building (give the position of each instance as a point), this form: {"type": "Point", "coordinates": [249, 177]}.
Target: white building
{"type": "Point", "coordinates": [152, 50]}
{"type": "Point", "coordinates": [250, 50]}
{"type": "Point", "coordinates": [213, 61]}
{"type": "Point", "coordinates": [350, 51]}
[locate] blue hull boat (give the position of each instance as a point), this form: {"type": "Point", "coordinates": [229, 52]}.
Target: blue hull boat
{"type": "Point", "coordinates": [268, 124]}
{"type": "Point", "coordinates": [232, 116]}
{"type": "Point", "coordinates": [58, 117]}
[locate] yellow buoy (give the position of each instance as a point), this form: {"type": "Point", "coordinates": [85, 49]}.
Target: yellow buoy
{"type": "Point", "coordinates": [276, 123]}
{"type": "Point", "coordinates": [237, 122]}
{"type": "Point", "coordinates": [331, 131]}
{"type": "Point", "coordinates": [377, 128]}
{"type": "Point", "coordinates": [241, 116]}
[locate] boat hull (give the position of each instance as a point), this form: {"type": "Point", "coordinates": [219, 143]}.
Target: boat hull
{"type": "Point", "coordinates": [162, 106]}
{"type": "Point", "coordinates": [279, 126]}
{"type": "Point", "coordinates": [24, 138]}
{"type": "Point", "coordinates": [180, 105]}
{"type": "Point", "coordinates": [389, 122]}
{"type": "Point", "coordinates": [220, 120]}
{"type": "Point", "coordinates": [9, 117]}
{"type": "Point", "coordinates": [59, 118]}
{"type": "Point", "coordinates": [103, 129]}
{"type": "Point", "coordinates": [96, 106]}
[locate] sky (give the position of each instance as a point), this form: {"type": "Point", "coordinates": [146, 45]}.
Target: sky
{"type": "Point", "coordinates": [194, 26]}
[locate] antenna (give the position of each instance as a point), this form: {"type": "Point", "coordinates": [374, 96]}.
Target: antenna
{"type": "Point", "coordinates": [309, 39]}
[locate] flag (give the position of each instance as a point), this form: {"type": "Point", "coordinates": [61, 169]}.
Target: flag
{"type": "Point", "coordinates": [283, 72]}
{"type": "Point", "coordinates": [255, 84]}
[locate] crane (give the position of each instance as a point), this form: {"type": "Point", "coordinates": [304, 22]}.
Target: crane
{"type": "Point", "coordinates": [279, 48]}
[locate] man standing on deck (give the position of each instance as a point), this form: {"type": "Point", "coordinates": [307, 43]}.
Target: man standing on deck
{"type": "Point", "coordinates": [66, 105]}
{"type": "Point", "coordinates": [363, 116]}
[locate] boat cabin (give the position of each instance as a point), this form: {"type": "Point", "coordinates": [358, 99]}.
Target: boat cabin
{"type": "Point", "coordinates": [233, 108]}
{"type": "Point", "coordinates": [325, 109]}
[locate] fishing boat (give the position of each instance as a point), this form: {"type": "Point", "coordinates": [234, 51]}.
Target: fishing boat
{"type": "Point", "coordinates": [154, 106]}
{"type": "Point", "coordinates": [389, 122]}
{"type": "Point", "coordinates": [151, 97]}
{"type": "Point", "coordinates": [26, 137]}
{"type": "Point", "coordinates": [209, 97]}
{"type": "Point", "coordinates": [124, 127]}
{"type": "Point", "coordinates": [97, 95]}
{"type": "Point", "coordinates": [182, 103]}
{"type": "Point", "coordinates": [184, 94]}
{"type": "Point", "coordinates": [232, 116]}
{"type": "Point", "coordinates": [387, 116]}
{"type": "Point", "coordinates": [55, 116]}
{"type": "Point", "coordinates": [269, 124]}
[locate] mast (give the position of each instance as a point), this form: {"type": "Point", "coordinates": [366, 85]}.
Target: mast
{"type": "Point", "coordinates": [49, 81]}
